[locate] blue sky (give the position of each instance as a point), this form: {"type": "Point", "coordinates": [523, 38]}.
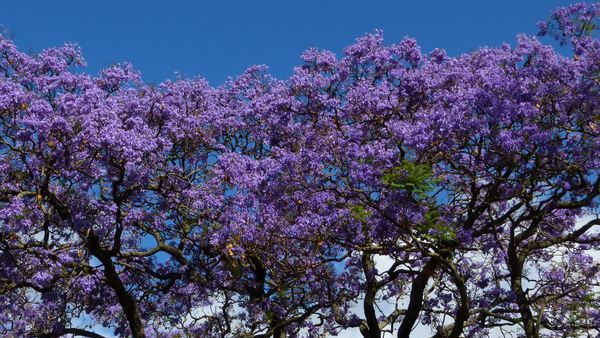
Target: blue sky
{"type": "Point", "coordinates": [217, 39]}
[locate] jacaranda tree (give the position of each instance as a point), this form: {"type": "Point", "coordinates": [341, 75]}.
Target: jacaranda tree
{"type": "Point", "coordinates": [384, 191]}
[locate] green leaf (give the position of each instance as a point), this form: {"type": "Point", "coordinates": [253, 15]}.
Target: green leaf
{"type": "Point", "coordinates": [414, 178]}
{"type": "Point", "coordinates": [359, 212]}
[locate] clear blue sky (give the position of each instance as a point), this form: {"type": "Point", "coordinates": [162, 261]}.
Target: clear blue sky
{"type": "Point", "coordinates": [217, 39]}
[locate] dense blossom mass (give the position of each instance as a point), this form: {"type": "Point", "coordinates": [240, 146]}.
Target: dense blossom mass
{"type": "Point", "coordinates": [388, 191]}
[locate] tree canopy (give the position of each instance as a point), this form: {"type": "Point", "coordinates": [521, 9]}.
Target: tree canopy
{"type": "Point", "coordinates": [381, 190]}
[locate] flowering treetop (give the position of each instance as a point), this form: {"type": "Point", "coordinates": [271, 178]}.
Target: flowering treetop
{"type": "Point", "coordinates": [264, 208]}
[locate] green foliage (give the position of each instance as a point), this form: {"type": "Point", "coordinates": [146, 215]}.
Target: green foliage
{"type": "Point", "coordinates": [579, 311]}
{"type": "Point", "coordinates": [417, 180]}
{"type": "Point", "coordinates": [587, 28]}
{"type": "Point", "coordinates": [435, 231]}
{"type": "Point", "coordinates": [359, 212]}
{"type": "Point", "coordinates": [414, 178]}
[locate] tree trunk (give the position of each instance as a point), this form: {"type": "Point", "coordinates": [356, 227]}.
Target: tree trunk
{"type": "Point", "coordinates": [126, 301]}
{"type": "Point", "coordinates": [372, 328]}
{"type": "Point", "coordinates": [416, 297]}
{"type": "Point", "coordinates": [515, 264]}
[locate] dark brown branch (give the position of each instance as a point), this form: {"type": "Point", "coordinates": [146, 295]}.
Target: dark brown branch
{"type": "Point", "coordinates": [416, 297]}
